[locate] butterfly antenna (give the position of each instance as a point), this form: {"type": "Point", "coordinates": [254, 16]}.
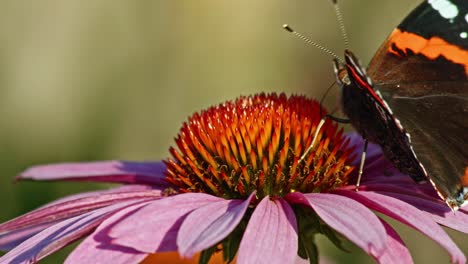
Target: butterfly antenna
{"type": "Point", "coordinates": [339, 17]}
{"type": "Point", "coordinates": [313, 43]}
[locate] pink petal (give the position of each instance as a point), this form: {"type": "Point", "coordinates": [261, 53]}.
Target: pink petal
{"type": "Point", "coordinates": [102, 171]}
{"type": "Point", "coordinates": [402, 187]}
{"type": "Point", "coordinates": [12, 239]}
{"type": "Point", "coordinates": [271, 234]}
{"type": "Point", "coordinates": [208, 225]}
{"type": "Point", "coordinates": [99, 248]}
{"type": "Point", "coordinates": [410, 216]}
{"type": "Point", "coordinates": [154, 228]}
{"type": "Point", "coordinates": [425, 191]}
{"type": "Point", "coordinates": [57, 236]}
{"type": "Point", "coordinates": [437, 210]}
{"type": "Point", "coordinates": [350, 218]}
{"type": "Point", "coordinates": [70, 208]}
{"type": "Point", "coordinates": [382, 171]}
{"type": "Point", "coordinates": [396, 251]}
{"type": "Point", "coordinates": [90, 251]}
{"type": "Point", "coordinates": [119, 189]}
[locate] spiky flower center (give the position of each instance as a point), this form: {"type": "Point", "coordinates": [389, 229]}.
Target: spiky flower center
{"type": "Point", "coordinates": [255, 143]}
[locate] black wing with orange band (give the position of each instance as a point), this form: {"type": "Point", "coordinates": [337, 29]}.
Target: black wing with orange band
{"type": "Point", "coordinates": [422, 72]}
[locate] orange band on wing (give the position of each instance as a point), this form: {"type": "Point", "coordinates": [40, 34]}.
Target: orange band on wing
{"type": "Point", "coordinates": [431, 48]}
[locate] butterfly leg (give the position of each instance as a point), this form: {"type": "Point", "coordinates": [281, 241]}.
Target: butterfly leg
{"type": "Point", "coordinates": [339, 120]}
{"type": "Point", "coordinates": [361, 165]}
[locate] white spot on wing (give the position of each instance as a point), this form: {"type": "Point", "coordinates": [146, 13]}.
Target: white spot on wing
{"type": "Point", "coordinates": [446, 9]}
{"type": "Point", "coordinates": [398, 123]}
{"type": "Point", "coordinates": [464, 35]}
{"type": "Point", "coordinates": [408, 136]}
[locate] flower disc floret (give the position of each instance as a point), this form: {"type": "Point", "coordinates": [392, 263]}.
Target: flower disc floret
{"type": "Point", "coordinates": [255, 143]}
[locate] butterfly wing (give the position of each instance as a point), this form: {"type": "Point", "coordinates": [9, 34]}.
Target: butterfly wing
{"type": "Point", "coordinates": [422, 73]}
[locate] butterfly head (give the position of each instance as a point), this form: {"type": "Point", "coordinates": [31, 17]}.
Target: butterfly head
{"type": "Point", "coordinates": [350, 70]}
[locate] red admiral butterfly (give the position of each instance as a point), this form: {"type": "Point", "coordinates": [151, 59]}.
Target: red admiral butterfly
{"type": "Point", "coordinates": [413, 100]}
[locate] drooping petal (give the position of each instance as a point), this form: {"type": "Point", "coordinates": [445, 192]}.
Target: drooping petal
{"type": "Point", "coordinates": [208, 225]}
{"type": "Point", "coordinates": [102, 171]}
{"type": "Point", "coordinates": [396, 251]}
{"type": "Point", "coordinates": [410, 216]}
{"type": "Point", "coordinates": [437, 210]}
{"type": "Point", "coordinates": [154, 228]}
{"type": "Point", "coordinates": [71, 208]}
{"type": "Point", "coordinates": [347, 217]}
{"type": "Point", "coordinates": [402, 187]}
{"type": "Point", "coordinates": [12, 239]}
{"type": "Point", "coordinates": [425, 191]}
{"type": "Point", "coordinates": [116, 190]}
{"type": "Point", "coordinates": [57, 236]}
{"type": "Point", "coordinates": [271, 234]}
{"type": "Point", "coordinates": [99, 248]}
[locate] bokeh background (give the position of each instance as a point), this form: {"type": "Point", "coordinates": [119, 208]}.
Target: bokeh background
{"type": "Point", "coordinates": [85, 80]}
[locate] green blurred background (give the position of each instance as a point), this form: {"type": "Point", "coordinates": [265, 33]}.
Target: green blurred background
{"type": "Point", "coordinates": [88, 80]}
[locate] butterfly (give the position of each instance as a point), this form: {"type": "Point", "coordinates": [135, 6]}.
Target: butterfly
{"type": "Point", "coordinates": [412, 99]}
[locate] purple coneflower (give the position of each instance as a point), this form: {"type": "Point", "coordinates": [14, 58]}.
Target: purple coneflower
{"type": "Point", "coordinates": [236, 184]}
